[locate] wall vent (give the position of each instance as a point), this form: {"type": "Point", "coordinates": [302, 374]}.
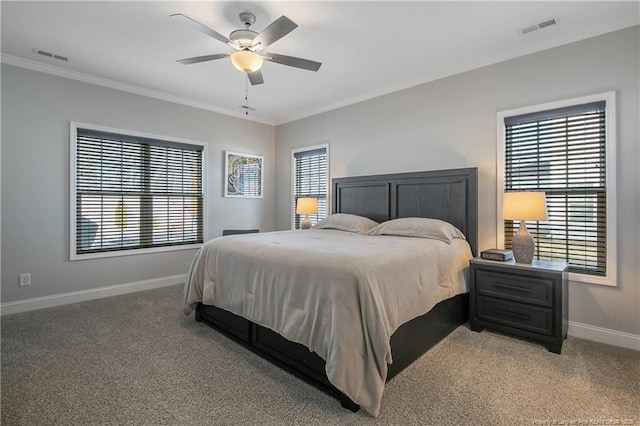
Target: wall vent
{"type": "Point", "coordinates": [50, 55]}
{"type": "Point", "coordinates": [538, 26]}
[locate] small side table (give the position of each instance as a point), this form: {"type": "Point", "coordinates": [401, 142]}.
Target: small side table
{"type": "Point", "coordinates": [528, 300]}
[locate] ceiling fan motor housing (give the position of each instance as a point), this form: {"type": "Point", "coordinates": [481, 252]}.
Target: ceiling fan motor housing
{"type": "Point", "coordinates": [243, 38]}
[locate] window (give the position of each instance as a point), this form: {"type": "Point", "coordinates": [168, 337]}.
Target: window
{"type": "Point", "coordinates": [310, 179]}
{"type": "Point", "coordinates": [567, 150]}
{"type": "Point", "coordinates": [133, 193]}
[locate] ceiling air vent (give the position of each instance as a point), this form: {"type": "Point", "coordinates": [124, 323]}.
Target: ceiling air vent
{"type": "Point", "coordinates": [538, 26]}
{"type": "Point", "coordinates": [50, 55]}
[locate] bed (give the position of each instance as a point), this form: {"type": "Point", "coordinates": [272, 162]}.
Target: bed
{"type": "Point", "coordinates": [258, 271]}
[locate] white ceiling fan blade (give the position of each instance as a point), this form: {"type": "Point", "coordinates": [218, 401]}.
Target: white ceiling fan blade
{"type": "Point", "coordinates": [292, 61]}
{"type": "Point", "coordinates": [205, 58]}
{"type": "Point", "coordinates": [200, 27]}
{"type": "Point", "coordinates": [255, 78]}
{"type": "Point", "coordinates": [274, 32]}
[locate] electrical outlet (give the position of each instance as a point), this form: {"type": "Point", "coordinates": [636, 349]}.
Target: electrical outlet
{"type": "Point", "coordinates": [25, 280]}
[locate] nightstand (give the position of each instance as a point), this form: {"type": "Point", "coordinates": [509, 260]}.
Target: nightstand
{"type": "Point", "coordinates": [520, 299]}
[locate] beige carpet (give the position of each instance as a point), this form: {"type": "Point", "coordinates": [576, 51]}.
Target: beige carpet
{"type": "Point", "coordinates": [136, 359]}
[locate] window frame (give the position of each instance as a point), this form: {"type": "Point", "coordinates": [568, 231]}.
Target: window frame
{"type": "Point", "coordinates": [73, 135]}
{"type": "Point", "coordinates": [610, 279]}
{"type": "Point", "coordinates": [294, 151]}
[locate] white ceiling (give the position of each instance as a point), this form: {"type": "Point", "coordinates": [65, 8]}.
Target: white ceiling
{"type": "Point", "coordinates": [366, 48]}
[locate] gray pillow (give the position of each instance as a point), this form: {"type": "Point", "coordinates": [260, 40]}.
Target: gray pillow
{"type": "Point", "coordinates": [419, 227]}
{"type": "Point", "coordinates": [346, 222]}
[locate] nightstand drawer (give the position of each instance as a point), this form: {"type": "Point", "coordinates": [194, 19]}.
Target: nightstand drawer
{"type": "Point", "coordinates": [538, 290]}
{"type": "Point", "coordinates": [524, 317]}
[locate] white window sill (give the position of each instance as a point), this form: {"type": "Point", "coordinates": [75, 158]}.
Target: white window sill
{"type": "Point", "coordinates": [591, 279]}
{"type": "Point", "coordinates": [120, 253]}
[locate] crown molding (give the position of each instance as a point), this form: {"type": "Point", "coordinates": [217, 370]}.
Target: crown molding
{"type": "Point", "coordinates": [112, 84]}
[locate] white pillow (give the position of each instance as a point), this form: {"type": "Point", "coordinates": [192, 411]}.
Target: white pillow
{"type": "Point", "coordinates": [346, 222]}
{"type": "Point", "coordinates": [419, 227]}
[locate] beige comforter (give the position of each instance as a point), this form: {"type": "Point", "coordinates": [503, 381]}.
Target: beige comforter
{"type": "Point", "coordinates": [340, 294]}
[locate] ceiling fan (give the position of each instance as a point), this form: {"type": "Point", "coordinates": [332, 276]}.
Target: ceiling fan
{"type": "Point", "coordinates": [249, 46]}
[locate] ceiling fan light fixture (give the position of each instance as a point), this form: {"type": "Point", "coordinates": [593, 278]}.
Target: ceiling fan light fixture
{"type": "Point", "coordinates": [246, 61]}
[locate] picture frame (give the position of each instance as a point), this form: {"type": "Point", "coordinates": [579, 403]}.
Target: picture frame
{"type": "Point", "coordinates": [244, 175]}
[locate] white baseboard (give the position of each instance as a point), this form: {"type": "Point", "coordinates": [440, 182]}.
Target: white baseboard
{"type": "Point", "coordinates": [576, 329]}
{"type": "Point", "coordinates": [604, 335]}
{"type": "Point", "coordinates": [84, 295]}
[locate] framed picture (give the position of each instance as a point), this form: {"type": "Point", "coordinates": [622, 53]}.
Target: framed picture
{"type": "Point", "coordinates": [243, 175]}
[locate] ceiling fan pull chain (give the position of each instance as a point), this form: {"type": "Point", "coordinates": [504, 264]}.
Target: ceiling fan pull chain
{"type": "Point", "coordinates": [246, 95]}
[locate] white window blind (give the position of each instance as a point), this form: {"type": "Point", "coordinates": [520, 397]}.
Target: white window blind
{"type": "Point", "coordinates": [310, 180]}
{"type": "Point", "coordinates": [136, 193]}
{"type": "Point", "coordinates": [563, 153]}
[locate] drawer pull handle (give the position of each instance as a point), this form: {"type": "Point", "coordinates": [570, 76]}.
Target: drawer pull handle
{"type": "Point", "coordinates": [513, 314]}
{"type": "Point", "coordinates": [513, 287]}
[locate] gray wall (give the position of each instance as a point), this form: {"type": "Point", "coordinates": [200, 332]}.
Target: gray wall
{"type": "Point", "coordinates": [452, 123]}
{"type": "Point", "coordinates": [444, 124]}
{"type": "Point", "coordinates": [36, 110]}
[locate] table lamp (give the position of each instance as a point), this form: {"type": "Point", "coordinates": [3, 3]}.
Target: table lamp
{"type": "Point", "coordinates": [307, 206]}
{"type": "Point", "coordinates": [522, 206]}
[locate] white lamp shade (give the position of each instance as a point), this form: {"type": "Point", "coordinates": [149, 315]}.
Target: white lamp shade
{"type": "Point", "coordinates": [246, 61]}
{"type": "Point", "coordinates": [307, 205]}
{"type": "Point", "coordinates": [524, 205]}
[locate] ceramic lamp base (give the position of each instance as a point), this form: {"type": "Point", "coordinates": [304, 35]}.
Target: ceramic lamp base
{"type": "Point", "coordinates": [523, 245]}
{"type": "Point", "coordinates": [306, 223]}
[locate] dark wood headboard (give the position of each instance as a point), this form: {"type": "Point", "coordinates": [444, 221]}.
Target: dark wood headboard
{"type": "Point", "coordinates": [449, 195]}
